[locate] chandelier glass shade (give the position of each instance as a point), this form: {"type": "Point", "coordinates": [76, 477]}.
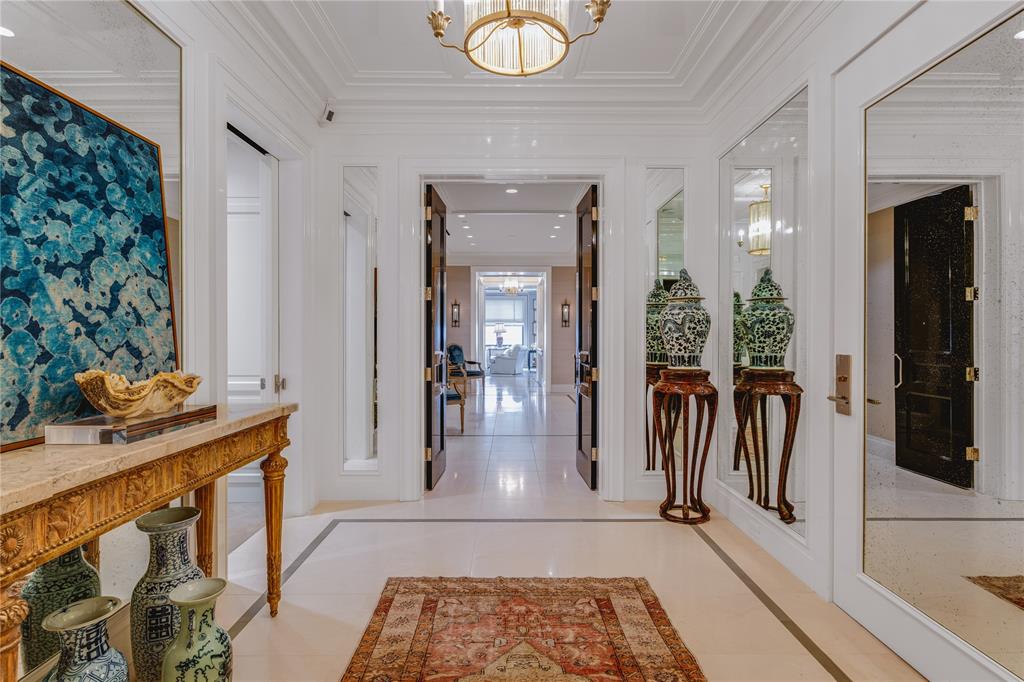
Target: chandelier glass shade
{"type": "Point", "coordinates": [515, 37]}
{"type": "Point", "coordinates": [511, 286]}
{"type": "Point", "coordinates": [759, 233]}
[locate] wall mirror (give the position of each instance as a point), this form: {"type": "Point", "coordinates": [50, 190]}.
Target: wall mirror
{"type": "Point", "coordinates": [358, 282]}
{"type": "Point", "coordinates": [943, 498]}
{"type": "Point", "coordinates": [663, 219]}
{"type": "Point", "coordinates": [115, 62]}
{"type": "Point", "coordinates": [764, 182]}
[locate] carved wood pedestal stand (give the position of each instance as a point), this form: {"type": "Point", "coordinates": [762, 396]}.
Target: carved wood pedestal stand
{"type": "Point", "coordinates": [750, 397]}
{"type": "Point", "coordinates": [651, 439]}
{"type": "Point", "coordinates": [672, 405]}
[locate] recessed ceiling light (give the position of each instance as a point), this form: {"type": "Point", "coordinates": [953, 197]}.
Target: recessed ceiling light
{"type": "Point", "coordinates": [557, 227]}
{"type": "Point", "coordinates": [462, 215]}
{"type": "Point", "coordinates": [1019, 35]}
{"type": "Point", "coordinates": [561, 215]}
{"type": "Point", "coordinates": [511, 190]}
{"type": "Point", "coordinates": [469, 236]}
{"type": "Point", "coordinates": [554, 236]}
{"type": "Point", "coordinates": [465, 227]}
{"type": "Point", "coordinates": [6, 32]}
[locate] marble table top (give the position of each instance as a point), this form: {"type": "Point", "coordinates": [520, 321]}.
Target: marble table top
{"type": "Point", "coordinates": [33, 474]}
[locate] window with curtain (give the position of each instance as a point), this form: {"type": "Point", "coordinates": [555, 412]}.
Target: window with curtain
{"type": "Point", "coordinates": [509, 311]}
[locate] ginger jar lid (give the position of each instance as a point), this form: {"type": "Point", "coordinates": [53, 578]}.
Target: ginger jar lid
{"type": "Point", "coordinates": [685, 289]}
{"type": "Point", "coordinates": [767, 289]}
{"type": "Point", "coordinates": [658, 295]}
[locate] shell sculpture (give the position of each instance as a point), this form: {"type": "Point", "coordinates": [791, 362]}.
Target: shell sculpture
{"type": "Point", "coordinates": [115, 396]}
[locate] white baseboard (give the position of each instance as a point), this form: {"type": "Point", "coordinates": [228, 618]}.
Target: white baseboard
{"type": "Point", "coordinates": [245, 486]}
{"type": "Point", "coordinates": [369, 464]}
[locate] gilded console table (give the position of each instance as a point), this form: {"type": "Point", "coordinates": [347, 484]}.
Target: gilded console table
{"type": "Point", "coordinates": [54, 498]}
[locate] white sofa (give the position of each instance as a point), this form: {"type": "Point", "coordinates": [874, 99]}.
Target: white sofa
{"type": "Point", "coordinates": [509, 362]}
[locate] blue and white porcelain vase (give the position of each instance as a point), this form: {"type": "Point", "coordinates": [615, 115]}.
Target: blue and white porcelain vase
{"type": "Point", "coordinates": [685, 324]}
{"type": "Point", "coordinates": [657, 299]}
{"type": "Point", "coordinates": [739, 342]}
{"type": "Point", "coordinates": [202, 650]}
{"type": "Point", "coordinates": [54, 585]}
{"type": "Point", "coordinates": [85, 651]}
{"type": "Point", "coordinates": [767, 325]}
{"type": "Point", "coordinates": [155, 621]}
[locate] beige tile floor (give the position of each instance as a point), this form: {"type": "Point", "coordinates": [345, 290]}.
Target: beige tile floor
{"type": "Point", "coordinates": [517, 482]}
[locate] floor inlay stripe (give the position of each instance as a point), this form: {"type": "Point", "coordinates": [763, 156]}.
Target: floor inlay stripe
{"type": "Point", "coordinates": [813, 649]}
{"type": "Point", "coordinates": [944, 518]}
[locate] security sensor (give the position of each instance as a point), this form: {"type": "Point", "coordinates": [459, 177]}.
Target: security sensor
{"type": "Point", "coordinates": [327, 116]}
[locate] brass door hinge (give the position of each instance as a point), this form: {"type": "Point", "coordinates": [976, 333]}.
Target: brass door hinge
{"type": "Point", "coordinates": [428, 293]}
{"type": "Point", "coordinates": [428, 374]}
{"type": "Point", "coordinates": [593, 454]}
{"type": "Point", "coordinates": [970, 213]}
{"type": "Point", "coordinates": [428, 213]}
{"type": "Point", "coordinates": [595, 374]}
{"type": "Point", "coordinates": [593, 213]}
{"type": "Point", "coordinates": [280, 383]}
{"type": "Point", "coordinates": [427, 455]}
{"type": "Point", "coordinates": [595, 293]}
{"type": "Point", "coordinates": [972, 374]}
{"type": "Point", "coordinates": [972, 454]}
{"type": "Point", "coordinates": [972, 294]}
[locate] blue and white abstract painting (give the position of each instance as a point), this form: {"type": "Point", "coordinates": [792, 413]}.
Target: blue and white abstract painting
{"type": "Point", "coordinates": [85, 280]}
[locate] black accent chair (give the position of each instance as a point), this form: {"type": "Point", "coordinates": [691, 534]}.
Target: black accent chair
{"type": "Point", "coordinates": [459, 366]}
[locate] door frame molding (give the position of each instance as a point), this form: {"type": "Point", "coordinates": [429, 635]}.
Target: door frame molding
{"type": "Point", "coordinates": [404, 299]}
{"type": "Point", "coordinates": [925, 36]}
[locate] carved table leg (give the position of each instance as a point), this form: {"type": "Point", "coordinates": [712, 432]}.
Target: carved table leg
{"type": "Point", "coordinates": [91, 549]}
{"type": "Point", "coordinates": [13, 610]}
{"type": "Point", "coordinates": [712, 403]}
{"type": "Point", "coordinates": [792, 405]}
{"type": "Point", "coordinates": [273, 496]}
{"type": "Point", "coordinates": [741, 405]}
{"type": "Point", "coordinates": [754, 401]}
{"type": "Point", "coordinates": [661, 415]}
{"type": "Point", "coordinates": [206, 501]}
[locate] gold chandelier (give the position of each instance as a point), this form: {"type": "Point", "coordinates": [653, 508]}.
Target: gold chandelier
{"type": "Point", "coordinates": [516, 37]}
{"type": "Point", "coordinates": [511, 286]}
{"type": "Point", "coordinates": [760, 230]}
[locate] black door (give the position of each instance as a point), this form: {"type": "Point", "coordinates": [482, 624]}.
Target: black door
{"type": "Point", "coordinates": [436, 366]}
{"type": "Point", "coordinates": [934, 253]}
{"type": "Point", "coordinates": [586, 337]}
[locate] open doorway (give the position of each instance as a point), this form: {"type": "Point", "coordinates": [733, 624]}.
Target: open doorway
{"type": "Point", "coordinates": [252, 310]}
{"type": "Point", "coordinates": [512, 399]}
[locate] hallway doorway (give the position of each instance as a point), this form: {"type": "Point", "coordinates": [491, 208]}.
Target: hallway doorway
{"type": "Point", "coordinates": [520, 404]}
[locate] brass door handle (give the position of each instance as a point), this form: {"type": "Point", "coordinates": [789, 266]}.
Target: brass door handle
{"type": "Point", "coordinates": [899, 382]}
{"type": "Point", "coordinates": [839, 399]}
{"type": "Point", "coordinates": [872, 401]}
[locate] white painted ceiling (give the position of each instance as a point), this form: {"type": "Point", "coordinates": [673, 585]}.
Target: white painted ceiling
{"type": "Point", "coordinates": [667, 56]}
{"type": "Point", "coordinates": [510, 225]}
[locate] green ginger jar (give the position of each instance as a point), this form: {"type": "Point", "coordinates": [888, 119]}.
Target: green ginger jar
{"type": "Point", "coordinates": [57, 583]}
{"type": "Point", "coordinates": [739, 343]}
{"type": "Point", "coordinates": [767, 325]}
{"type": "Point", "coordinates": [657, 299]}
{"type": "Point", "coordinates": [202, 650]}
{"type": "Point", "coordinates": [685, 324]}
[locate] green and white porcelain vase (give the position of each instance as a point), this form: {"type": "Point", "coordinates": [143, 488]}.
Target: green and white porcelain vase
{"type": "Point", "coordinates": [739, 342]}
{"type": "Point", "coordinates": [155, 621]}
{"type": "Point", "coordinates": [54, 585]}
{"type": "Point", "coordinates": [767, 325]}
{"type": "Point", "coordinates": [202, 650]}
{"type": "Point", "coordinates": [85, 651]}
{"type": "Point", "coordinates": [657, 299]}
{"type": "Point", "coordinates": [685, 324]}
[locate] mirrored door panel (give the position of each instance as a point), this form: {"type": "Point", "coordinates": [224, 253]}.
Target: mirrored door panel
{"type": "Point", "coordinates": [944, 510]}
{"type": "Point", "coordinates": [763, 182]}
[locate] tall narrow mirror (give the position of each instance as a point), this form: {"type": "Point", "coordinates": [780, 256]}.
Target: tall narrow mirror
{"type": "Point", "coordinates": [360, 399]}
{"type": "Point", "coordinates": [943, 498]}
{"type": "Point", "coordinates": [763, 182]}
{"type": "Point", "coordinates": [663, 220]}
{"type": "Point", "coordinates": [110, 61]}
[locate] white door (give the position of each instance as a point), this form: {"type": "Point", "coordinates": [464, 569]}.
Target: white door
{"type": "Point", "coordinates": [252, 309]}
{"type": "Point", "coordinates": [907, 546]}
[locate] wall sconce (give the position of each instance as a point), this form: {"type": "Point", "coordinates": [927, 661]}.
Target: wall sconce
{"type": "Point", "coordinates": [565, 314]}
{"type": "Point", "coordinates": [456, 314]}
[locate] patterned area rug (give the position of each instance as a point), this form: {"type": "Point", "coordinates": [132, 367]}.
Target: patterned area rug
{"type": "Point", "coordinates": [1008, 587]}
{"type": "Point", "coordinates": [524, 629]}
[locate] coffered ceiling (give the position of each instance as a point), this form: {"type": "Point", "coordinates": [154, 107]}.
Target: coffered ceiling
{"type": "Point", "coordinates": [659, 57]}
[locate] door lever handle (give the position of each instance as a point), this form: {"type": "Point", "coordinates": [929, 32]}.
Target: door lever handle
{"type": "Point", "coordinates": [839, 399]}
{"type": "Point", "coordinates": [872, 401]}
